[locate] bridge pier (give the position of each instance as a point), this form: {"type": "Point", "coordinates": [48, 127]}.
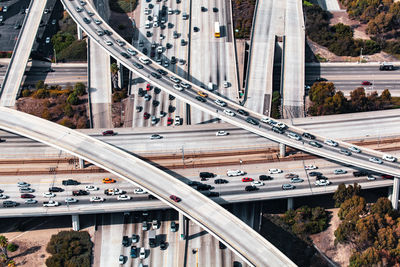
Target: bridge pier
{"type": "Point", "coordinates": [182, 226]}
{"type": "Point", "coordinates": [290, 203]}
{"type": "Point", "coordinates": [80, 32]}
{"type": "Point", "coordinates": [395, 193]}
{"type": "Point", "coordinates": [120, 75]}
{"type": "Point", "coordinates": [75, 222]}
{"type": "Point", "coordinates": [81, 163]}
{"type": "Point", "coordinates": [282, 150]}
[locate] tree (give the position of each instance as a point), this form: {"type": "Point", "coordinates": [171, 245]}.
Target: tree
{"type": "Point", "coordinates": [80, 89]}
{"type": "Point", "coordinates": [352, 208]}
{"type": "Point", "coordinates": [73, 99]}
{"type": "Point", "coordinates": [386, 97]}
{"type": "Point", "coordinates": [39, 84]}
{"type": "Point", "coordinates": [343, 193]}
{"type": "Point", "coordinates": [382, 207]}
{"type": "Point", "coordinates": [3, 245]}
{"type": "Point", "coordinates": [68, 110]}
{"type": "Point", "coordinates": [114, 74]}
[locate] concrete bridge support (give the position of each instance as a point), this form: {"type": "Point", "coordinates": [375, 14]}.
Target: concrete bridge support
{"type": "Point", "coordinates": [182, 226]}
{"type": "Point", "coordinates": [290, 203]}
{"type": "Point", "coordinates": [282, 150]}
{"type": "Point", "coordinates": [80, 32]}
{"type": "Point", "coordinates": [120, 75]}
{"type": "Point", "coordinates": [395, 193]}
{"type": "Point", "coordinates": [75, 222]}
{"type": "Point", "coordinates": [81, 164]}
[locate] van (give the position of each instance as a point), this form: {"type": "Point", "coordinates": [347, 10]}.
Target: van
{"type": "Point", "coordinates": [231, 173]}
{"type": "Point", "coordinates": [144, 60]}
{"type": "Point", "coordinates": [142, 253]}
{"type": "Point", "coordinates": [210, 86]}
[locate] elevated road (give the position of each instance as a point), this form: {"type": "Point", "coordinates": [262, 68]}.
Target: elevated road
{"type": "Point", "coordinates": [244, 241]}
{"type": "Point", "coordinates": [16, 68]}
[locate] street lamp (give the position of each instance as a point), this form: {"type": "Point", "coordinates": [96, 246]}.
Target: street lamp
{"type": "Point", "coordinates": [361, 54]}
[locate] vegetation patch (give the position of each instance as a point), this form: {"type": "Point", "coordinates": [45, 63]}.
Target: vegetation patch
{"type": "Point", "coordinates": [70, 248]}
{"type": "Point", "coordinates": [243, 11]}
{"type": "Point", "coordinates": [276, 105]}
{"type": "Point", "coordinates": [123, 6]}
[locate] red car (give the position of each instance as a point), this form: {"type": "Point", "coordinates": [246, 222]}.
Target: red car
{"type": "Point", "coordinates": [169, 121]}
{"type": "Point", "coordinates": [247, 179]}
{"type": "Point", "coordinates": [27, 196]}
{"type": "Point", "coordinates": [108, 132]}
{"type": "Point", "coordinates": [366, 83]}
{"type": "Point", "coordinates": [148, 87]}
{"type": "Point", "coordinates": [387, 176]}
{"type": "Point", "coordinates": [146, 115]}
{"type": "Point", "coordinates": [175, 198]}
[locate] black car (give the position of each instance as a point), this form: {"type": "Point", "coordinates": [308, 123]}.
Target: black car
{"type": "Point", "coordinates": [252, 121]}
{"type": "Point", "coordinates": [107, 32]}
{"type": "Point", "coordinates": [173, 60]}
{"type": "Point", "coordinates": [9, 203]}
{"type": "Point", "coordinates": [156, 75]}
{"type": "Point", "coordinates": [169, 46]}
{"type": "Point", "coordinates": [203, 187]}
{"type": "Point", "coordinates": [148, 34]}
{"type": "Point", "coordinates": [320, 79]}
{"type": "Point", "coordinates": [171, 97]}
{"type": "Point", "coordinates": [360, 173]}
{"type": "Point", "coordinates": [152, 197]}
{"type": "Point", "coordinates": [194, 183]}
{"type": "Point", "coordinates": [125, 241]}
{"type": "Point", "coordinates": [157, 90]}
{"type": "Point", "coordinates": [162, 72]}
{"type": "Point", "coordinates": [201, 99]}
{"type": "Point", "coordinates": [86, 20]}
{"type": "Point", "coordinates": [141, 92]}
{"type": "Point", "coordinates": [79, 192]}
{"type": "Point", "coordinates": [171, 109]}
{"type": "Point", "coordinates": [155, 103]}
{"type": "Point", "coordinates": [203, 9]}
{"type": "Point", "coordinates": [215, 9]}
{"type": "Point", "coordinates": [277, 130]}
{"type": "Point", "coordinates": [170, 25]}
{"type": "Point", "coordinates": [125, 55]}
{"type": "Point", "coordinates": [133, 252]}
{"type": "Point", "coordinates": [315, 174]}
{"type": "Point", "coordinates": [144, 50]}
{"type": "Point", "coordinates": [309, 136]}
{"type": "Point", "coordinates": [315, 144]}
{"type": "Point", "coordinates": [206, 175]}
{"type": "Point", "coordinates": [212, 194]}
{"type": "Point", "coordinates": [70, 182]}
{"type": "Point", "coordinates": [251, 188]}
{"type": "Point", "coordinates": [265, 177]}
{"type": "Point", "coordinates": [163, 245]}
{"type": "Point", "coordinates": [221, 245]}
{"type": "Point", "coordinates": [55, 189]}
{"type": "Point", "coordinates": [242, 112]}
{"type": "Point", "coordinates": [196, 29]}
{"type": "Point", "coordinates": [137, 65]}
{"type": "Point", "coordinates": [220, 181]}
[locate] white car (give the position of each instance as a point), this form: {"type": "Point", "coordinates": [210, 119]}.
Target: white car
{"type": "Point", "coordinates": [71, 200]}
{"type": "Point", "coordinates": [226, 84]}
{"type": "Point", "coordinates": [221, 133]}
{"type": "Point", "coordinates": [144, 60]}
{"type": "Point", "coordinates": [108, 42]}
{"type": "Point", "coordinates": [375, 160]}
{"type": "Point", "coordinates": [30, 201]}
{"type": "Point", "coordinates": [296, 180]}
{"type": "Point", "coordinates": [91, 188]}
{"type": "Point", "coordinates": [281, 125]}
{"type": "Point", "coordinates": [266, 119]}
{"type": "Point", "coordinates": [274, 171]}
{"type": "Point", "coordinates": [331, 142]}
{"type": "Point", "coordinates": [49, 194]}
{"type": "Point", "coordinates": [23, 184]}
{"type": "Point", "coordinates": [142, 253]}
{"type": "Point", "coordinates": [96, 199]}
{"type": "Point", "coordinates": [178, 87]}
{"type": "Point", "coordinates": [310, 167]}
{"type": "Point", "coordinates": [220, 103]}
{"type": "Point", "coordinates": [371, 178]}
{"type": "Point", "coordinates": [294, 136]}
{"type": "Point", "coordinates": [123, 197]}
{"type": "Point", "coordinates": [322, 182]}
{"type": "Point", "coordinates": [51, 203]}
{"type": "Point", "coordinates": [389, 158]}
{"type": "Point", "coordinates": [174, 79]}
{"type": "Point", "coordinates": [229, 112]}
{"type": "Point", "coordinates": [339, 171]}
{"type": "Point", "coordinates": [3, 196]}
{"type": "Point", "coordinates": [185, 85]}
{"type": "Point", "coordinates": [354, 149]}
{"type": "Point", "coordinates": [139, 191]}
{"type": "Point", "coordinates": [257, 183]}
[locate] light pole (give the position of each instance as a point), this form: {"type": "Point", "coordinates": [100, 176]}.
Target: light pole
{"type": "Point", "coordinates": [55, 56]}
{"type": "Point", "coordinates": [183, 156]}
{"type": "Point", "coordinates": [361, 54]}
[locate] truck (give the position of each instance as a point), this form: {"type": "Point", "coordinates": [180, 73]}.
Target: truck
{"type": "Point", "coordinates": [152, 238]}
{"type": "Point", "coordinates": [386, 66]}
{"type": "Point", "coordinates": [217, 32]}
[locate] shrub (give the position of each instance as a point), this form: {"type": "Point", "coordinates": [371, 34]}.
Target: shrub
{"type": "Point", "coordinates": [68, 110]}
{"type": "Point", "coordinates": [67, 123]}
{"type": "Point", "coordinates": [46, 114]}
{"type": "Point", "coordinates": [79, 89]}
{"type": "Point", "coordinates": [61, 40]}
{"type": "Point", "coordinates": [12, 247]}
{"type": "Point", "coordinates": [41, 93]}
{"type": "Point", "coordinates": [77, 51]}
{"type": "Point", "coordinates": [26, 92]}
{"type": "Point", "coordinates": [73, 99]}
{"type": "Point", "coordinates": [40, 84]}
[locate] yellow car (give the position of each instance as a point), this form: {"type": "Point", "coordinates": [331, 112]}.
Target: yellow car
{"type": "Point", "coordinates": [108, 181]}
{"type": "Point", "coordinates": [200, 93]}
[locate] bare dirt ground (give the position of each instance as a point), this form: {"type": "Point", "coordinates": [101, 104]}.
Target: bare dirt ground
{"type": "Point", "coordinates": [340, 254]}
{"type": "Point", "coordinates": [33, 240]}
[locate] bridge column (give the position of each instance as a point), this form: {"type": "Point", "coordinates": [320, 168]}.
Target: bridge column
{"type": "Point", "coordinates": [81, 163]}
{"type": "Point", "coordinates": [282, 150]}
{"type": "Point", "coordinates": [75, 222]}
{"type": "Point", "coordinates": [390, 192]}
{"type": "Point", "coordinates": [80, 33]}
{"type": "Point", "coordinates": [395, 194]}
{"type": "Point", "coordinates": [120, 75]}
{"type": "Point", "coordinates": [182, 226]}
{"type": "Point", "coordinates": [290, 203]}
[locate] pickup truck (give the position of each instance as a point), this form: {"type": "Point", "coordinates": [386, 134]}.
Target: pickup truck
{"type": "Point", "coordinates": [50, 203]}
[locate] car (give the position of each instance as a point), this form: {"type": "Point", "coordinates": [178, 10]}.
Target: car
{"type": "Point", "coordinates": [296, 180]}
{"type": "Point", "coordinates": [309, 136]}
{"type": "Point", "coordinates": [91, 188]}
{"type": "Point", "coordinates": [315, 144]}
{"type": "Point", "coordinates": [203, 9]}
{"type": "Point", "coordinates": [215, 9]}
{"type": "Point", "coordinates": [345, 152]}
{"type": "Point", "coordinates": [203, 187]}
{"type": "Point", "coordinates": [49, 194]}
{"type": "Point", "coordinates": [22, 196]}
{"type": "Point", "coordinates": [169, 121]}
{"type": "Point", "coordinates": [30, 201]}
{"type": "Point", "coordinates": [155, 136]}
{"type": "Point", "coordinates": [23, 184]}
{"type": "Point", "coordinates": [250, 188]}
{"type": "Point", "coordinates": [231, 173]}
{"type": "Point", "coordinates": [139, 191]}
{"type": "Point", "coordinates": [131, 52]}
{"type": "Point", "coordinates": [194, 183]}
{"type": "Point", "coordinates": [220, 103]}
{"type": "Point", "coordinates": [366, 83]}
{"type": "Point", "coordinates": [173, 227]}
{"type": "Point", "coordinates": [144, 226]}
{"type": "Point", "coordinates": [196, 29]}
{"type": "Point", "coordinates": [310, 167]}
{"type": "Point", "coordinates": [78, 9]}
{"type": "Point", "coordinates": [86, 20]}
{"type": "Point", "coordinates": [242, 112]}
{"type": "Point", "coordinates": [371, 178]}
{"type": "Point", "coordinates": [206, 175]}
{"type": "Point", "coordinates": [123, 197]}
{"type": "Point", "coordinates": [221, 133]}
{"type": "Point", "coordinates": [125, 55]}
{"type": "Point", "coordinates": [71, 200]}
{"type": "Point", "coordinates": [108, 42]}
{"type": "Point", "coordinates": [173, 59]}
{"type": "Point", "coordinates": [121, 259]}
{"type": "Point", "coordinates": [100, 32]}
{"type": "Point", "coordinates": [113, 191]}
{"type": "Point", "coordinates": [154, 119]}
{"type": "Point", "coordinates": [274, 171]}
{"type": "Point", "coordinates": [277, 130]}
{"type": "Point", "coordinates": [177, 120]}
{"type": "Point", "coordinates": [135, 238]}
{"type": "Point", "coordinates": [178, 87]}
{"type": "Point", "coordinates": [252, 121]}
{"type": "Point", "coordinates": [247, 179]}
{"type": "Point", "coordinates": [50, 203]}
{"type": "Point", "coordinates": [47, 40]}
{"type": "Point", "coordinates": [375, 160]}
{"type": "Point", "coordinates": [322, 182]}
{"type": "Point", "coordinates": [320, 79]}
{"type": "Point", "coordinates": [142, 253]}
{"type": "Point", "coordinates": [108, 181]}
{"type": "Point", "coordinates": [96, 199]}
{"type": "Point", "coordinates": [202, 94]}
{"type": "Point", "coordinates": [266, 119]}
{"type": "Point", "coordinates": [175, 198]}
{"type": "Point", "coordinates": [119, 42]}
{"type": "Point", "coordinates": [133, 252]}
{"type": "Point", "coordinates": [174, 79]}
{"type": "Point", "coordinates": [294, 136]}
{"type": "Point", "coordinates": [137, 65]}
{"type": "Point", "coordinates": [26, 190]}
{"type": "Point", "coordinates": [79, 193]}
{"type": "Point", "coordinates": [108, 133]}
{"type": "Point", "coordinates": [144, 60]}
{"type": "Point", "coordinates": [220, 181]}
{"type": "Point", "coordinates": [339, 171]}
{"type": "Point", "coordinates": [70, 182]}
{"type": "Point", "coordinates": [265, 177]}
{"type": "Point", "coordinates": [288, 186]}
{"type": "Point", "coordinates": [331, 142]}
{"type": "Point", "coordinates": [355, 149]}
{"type": "Point", "coordinates": [146, 115]}
{"type": "Point", "coordinates": [156, 75]}
{"type": "Point", "coordinates": [360, 173]}
{"type": "Point", "coordinates": [291, 175]}
{"type": "Point", "coordinates": [257, 183]}
{"type": "Point", "coordinates": [97, 21]}
{"type": "Point", "coordinates": [389, 158]}
{"type": "Point", "coordinates": [229, 112]}
{"type": "Point", "coordinates": [10, 204]}
{"type": "Point", "coordinates": [387, 176]}
{"type": "Point", "coordinates": [201, 99]}
{"type": "Point", "coordinates": [154, 224]}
